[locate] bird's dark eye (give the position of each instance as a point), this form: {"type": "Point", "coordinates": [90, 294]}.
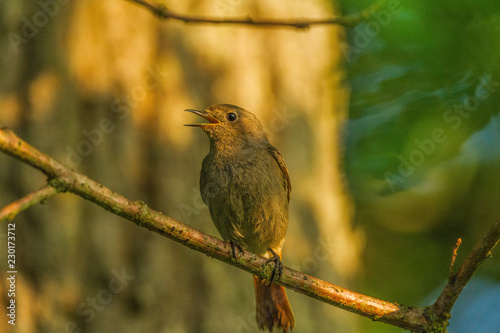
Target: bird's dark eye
{"type": "Point", "coordinates": [231, 116]}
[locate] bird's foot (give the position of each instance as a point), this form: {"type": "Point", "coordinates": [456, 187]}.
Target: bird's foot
{"type": "Point", "coordinates": [235, 246]}
{"type": "Point", "coordinates": [278, 266]}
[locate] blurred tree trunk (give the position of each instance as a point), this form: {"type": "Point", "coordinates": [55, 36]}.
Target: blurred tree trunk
{"type": "Point", "coordinates": [101, 86]}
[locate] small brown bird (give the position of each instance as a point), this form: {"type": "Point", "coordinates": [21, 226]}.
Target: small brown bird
{"type": "Point", "coordinates": [245, 184]}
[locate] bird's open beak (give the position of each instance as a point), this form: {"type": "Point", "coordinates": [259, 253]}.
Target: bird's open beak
{"type": "Point", "coordinates": [211, 120]}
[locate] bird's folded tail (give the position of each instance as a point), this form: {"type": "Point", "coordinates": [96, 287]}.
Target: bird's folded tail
{"type": "Point", "coordinates": [273, 308]}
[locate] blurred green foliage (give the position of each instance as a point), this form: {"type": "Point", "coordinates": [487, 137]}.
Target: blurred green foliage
{"type": "Point", "coordinates": [423, 140]}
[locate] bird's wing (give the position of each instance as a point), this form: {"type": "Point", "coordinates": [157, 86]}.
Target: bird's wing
{"type": "Point", "coordinates": [281, 163]}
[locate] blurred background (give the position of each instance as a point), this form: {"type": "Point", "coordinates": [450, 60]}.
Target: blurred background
{"type": "Point", "coordinates": [390, 130]}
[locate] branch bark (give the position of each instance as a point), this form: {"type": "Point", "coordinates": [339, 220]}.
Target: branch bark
{"type": "Point", "coordinates": [349, 21]}
{"type": "Point", "coordinates": [416, 319]}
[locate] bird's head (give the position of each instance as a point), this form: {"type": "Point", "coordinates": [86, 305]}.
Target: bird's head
{"type": "Point", "coordinates": [230, 123]}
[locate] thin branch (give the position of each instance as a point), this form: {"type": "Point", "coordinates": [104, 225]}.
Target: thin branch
{"type": "Point", "coordinates": [445, 302]}
{"type": "Point", "coordinates": [433, 318]}
{"type": "Point", "coordinates": [9, 212]}
{"type": "Point", "coordinates": [349, 21]}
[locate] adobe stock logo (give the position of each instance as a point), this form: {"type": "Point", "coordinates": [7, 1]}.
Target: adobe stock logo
{"type": "Point", "coordinates": [224, 7]}
{"type": "Point", "coordinates": [454, 117]}
{"type": "Point", "coordinates": [92, 306]}
{"type": "Point", "coordinates": [121, 107]}
{"type": "Point", "coordinates": [31, 26]}
{"type": "Point", "coordinates": [365, 32]}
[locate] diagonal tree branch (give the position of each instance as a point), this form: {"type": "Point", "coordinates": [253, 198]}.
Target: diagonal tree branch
{"type": "Point", "coordinates": [63, 179]}
{"type": "Point", "coordinates": [457, 282]}
{"type": "Point", "coordinates": [349, 21]}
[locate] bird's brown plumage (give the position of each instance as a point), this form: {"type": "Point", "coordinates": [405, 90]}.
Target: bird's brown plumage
{"type": "Point", "coordinates": [245, 183]}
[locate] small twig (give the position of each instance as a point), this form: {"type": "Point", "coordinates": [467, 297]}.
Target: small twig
{"type": "Point", "coordinates": [10, 211]}
{"type": "Point", "coordinates": [349, 21]}
{"type": "Point", "coordinates": [453, 258]}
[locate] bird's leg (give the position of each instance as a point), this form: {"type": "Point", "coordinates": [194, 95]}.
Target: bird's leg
{"type": "Point", "coordinates": [278, 266]}
{"type": "Point", "coordinates": [235, 246]}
